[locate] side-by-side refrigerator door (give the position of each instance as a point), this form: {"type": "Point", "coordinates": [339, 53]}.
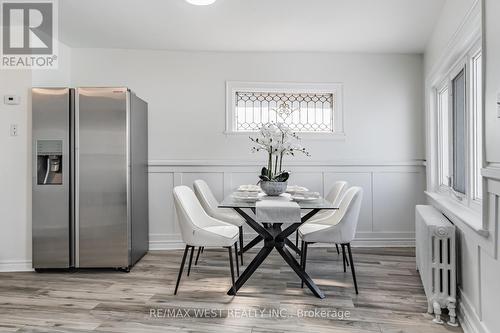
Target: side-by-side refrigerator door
{"type": "Point", "coordinates": [51, 220]}
{"type": "Point", "coordinates": [102, 178]}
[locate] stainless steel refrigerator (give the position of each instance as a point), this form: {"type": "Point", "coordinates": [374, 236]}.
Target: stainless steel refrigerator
{"type": "Point", "coordinates": [90, 179]}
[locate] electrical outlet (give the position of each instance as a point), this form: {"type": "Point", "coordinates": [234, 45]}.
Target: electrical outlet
{"type": "Point", "coordinates": [13, 130]}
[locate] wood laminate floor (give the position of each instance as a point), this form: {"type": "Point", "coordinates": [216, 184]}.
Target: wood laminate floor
{"type": "Point", "coordinates": [391, 297]}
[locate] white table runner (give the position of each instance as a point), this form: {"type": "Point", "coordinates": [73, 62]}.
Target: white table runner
{"type": "Point", "coordinates": [277, 211]}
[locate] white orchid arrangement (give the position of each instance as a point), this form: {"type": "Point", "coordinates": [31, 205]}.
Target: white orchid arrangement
{"type": "Point", "coordinates": [278, 141]}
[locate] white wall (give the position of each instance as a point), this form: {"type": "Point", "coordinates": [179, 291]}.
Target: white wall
{"type": "Point", "coordinates": [15, 166]}
{"type": "Point", "coordinates": [60, 77]}
{"type": "Point", "coordinates": [383, 112]}
{"type": "Point", "coordinates": [478, 254]}
{"type": "Point", "coordinates": [15, 187]}
{"type": "Point", "coordinates": [490, 274]}
{"type": "Point", "coordinates": [186, 95]}
{"type": "Point", "coordinates": [492, 88]}
{"type": "Point", "coordinates": [452, 18]}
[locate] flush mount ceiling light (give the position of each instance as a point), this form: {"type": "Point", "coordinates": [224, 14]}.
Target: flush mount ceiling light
{"type": "Point", "coordinates": [201, 2]}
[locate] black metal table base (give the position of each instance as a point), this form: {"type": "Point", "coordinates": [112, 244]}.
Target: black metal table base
{"type": "Point", "coordinates": [274, 238]}
{"type": "Point", "coordinates": [252, 243]}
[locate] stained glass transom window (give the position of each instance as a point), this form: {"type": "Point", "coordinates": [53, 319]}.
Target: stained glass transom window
{"type": "Point", "coordinates": [303, 112]}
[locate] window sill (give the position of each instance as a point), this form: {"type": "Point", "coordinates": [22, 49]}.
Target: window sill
{"type": "Point", "coordinates": [305, 136]}
{"type": "Point", "coordinates": [457, 212]}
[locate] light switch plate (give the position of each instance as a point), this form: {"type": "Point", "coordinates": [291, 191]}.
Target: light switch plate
{"type": "Point", "coordinates": [13, 130]}
{"type": "Point", "coordinates": [498, 105]}
{"type": "Point", "coordinates": [11, 99]}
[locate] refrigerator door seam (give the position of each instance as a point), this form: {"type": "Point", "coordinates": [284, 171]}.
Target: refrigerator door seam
{"type": "Point", "coordinates": [71, 150]}
{"type": "Point", "coordinates": [77, 179]}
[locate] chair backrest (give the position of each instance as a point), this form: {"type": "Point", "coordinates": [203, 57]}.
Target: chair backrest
{"type": "Point", "coordinates": [348, 214]}
{"type": "Point", "coordinates": [337, 191]}
{"type": "Point", "coordinates": [190, 213]}
{"type": "Point", "coordinates": [206, 197]}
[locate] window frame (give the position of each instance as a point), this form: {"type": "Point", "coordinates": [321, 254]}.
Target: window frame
{"type": "Point", "coordinates": [475, 121]}
{"type": "Point", "coordinates": [462, 66]}
{"type": "Point", "coordinates": [232, 87]}
{"type": "Point", "coordinates": [465, 63]}
{"type": "Point", "coordinates": [445, 85]}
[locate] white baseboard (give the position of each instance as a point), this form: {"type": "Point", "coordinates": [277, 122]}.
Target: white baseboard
{"type": "Point", "coordinates": [16, 266]}
{"type": "Point", "coordinates": [165, 242]}
{"type": "Point", "coordinates": [468, 317]}
{"type": "Point", "coordinates": [159, 242]}
{"type": "Point", "coordinates": [174, 242]}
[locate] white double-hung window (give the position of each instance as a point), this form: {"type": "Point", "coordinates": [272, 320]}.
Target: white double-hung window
{"type": "Point", "coordinates": [308, 108]}
{"type": "Point", "coordinates": [459, 120]}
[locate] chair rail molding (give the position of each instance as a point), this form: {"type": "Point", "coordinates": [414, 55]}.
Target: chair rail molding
{"type": "Point", "coordinates": [392, 189]}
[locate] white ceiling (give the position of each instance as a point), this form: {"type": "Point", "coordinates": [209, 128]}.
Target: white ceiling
{"type": "Point", "coordinates": [378, 26]}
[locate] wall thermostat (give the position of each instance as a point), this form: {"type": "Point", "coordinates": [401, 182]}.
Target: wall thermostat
{"type": "Point", "coordinates": [11, 99]}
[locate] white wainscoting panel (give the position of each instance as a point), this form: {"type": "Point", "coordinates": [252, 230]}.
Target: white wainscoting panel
{"type": "Point", "coordinates": [363, 180]}
{"type": "Point", "coordinates": [161, 205]}
{"type": "Point", "coordinates": [391, 191]}
{"type": "Point", "coordinates": [394, 197]}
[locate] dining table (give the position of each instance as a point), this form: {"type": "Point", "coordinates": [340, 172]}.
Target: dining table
{"type": "Point", "coordinates": [274, 236]}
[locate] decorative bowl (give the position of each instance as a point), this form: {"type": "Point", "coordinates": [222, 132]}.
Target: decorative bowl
{"type": "Point", "coordinates": [273, 188]}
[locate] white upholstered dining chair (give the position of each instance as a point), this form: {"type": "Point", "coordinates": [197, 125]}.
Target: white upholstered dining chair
{"type": "Point", "coordinates": [338, 228]}
{"type": "Point", "coordinates": [198, 229]}
{"type": "Point", "coordinates": [211, 206]}
{"type": "Point", "coordinates": [334, 196]}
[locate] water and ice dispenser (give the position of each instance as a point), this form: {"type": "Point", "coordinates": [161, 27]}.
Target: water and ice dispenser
{"type": "Point", "coordinates": [49, 162]}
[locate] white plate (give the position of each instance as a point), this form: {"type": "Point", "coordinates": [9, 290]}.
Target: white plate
{"type": "Point", "coordinates": [301, 198]}
{"type": "Point", "coordinates": [247, 197]}
{"type": "Point", "coordinates": [296, 189]}
{"type": "Point", "coordinates": [306, 196]}
{"type": "Point", "coordinates": [249, 188]}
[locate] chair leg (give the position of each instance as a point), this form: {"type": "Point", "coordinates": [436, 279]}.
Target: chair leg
{"type": "Point", "coordinates": [346, 260]}
{"type": "Point", "coordinates": [301, 254]}
{"type": "Point", "coordinates": [231, 264]}
{"type": "Point", "coordinates": [181, 268]}
{"type": "Point", "coordinates": [198, 255]}
{"type": "Point", "coordinates": [343, 256]}
{"type": "Point", "coordinates": [190, 260]}
{"type": "Point", "coordinates": [337, 247]}
{"type": "Point", "coordinates": [241, 246]}
{"type": "Point", "coordinates": [304, 259]}
{"type": "Point", "coordinates": [352, 267]}
{"type": "Point", "coordinates": [237, 261]}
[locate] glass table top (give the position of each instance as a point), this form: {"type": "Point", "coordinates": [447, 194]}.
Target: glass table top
{"type": "Point", "coordinates": [231, 202]}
